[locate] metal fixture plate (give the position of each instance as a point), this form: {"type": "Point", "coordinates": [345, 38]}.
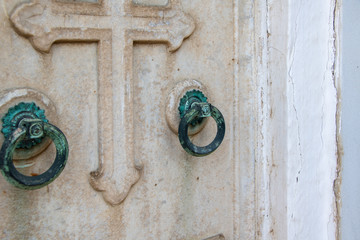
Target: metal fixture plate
{"type": "Point", "coordinates": [11, 97]}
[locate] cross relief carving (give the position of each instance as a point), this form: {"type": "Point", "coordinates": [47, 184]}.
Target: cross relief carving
{"type": "Point", "coordinates": [115, 26]}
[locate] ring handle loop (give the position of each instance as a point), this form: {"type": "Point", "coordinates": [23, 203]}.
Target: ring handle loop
{"type": "Point", "coordinates": [33, 128]}
{"type": "Point", "coordinates": [201, 110]}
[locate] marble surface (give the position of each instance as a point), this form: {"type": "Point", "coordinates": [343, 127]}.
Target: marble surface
{"type": "Point", "coordinates": [108, 68]}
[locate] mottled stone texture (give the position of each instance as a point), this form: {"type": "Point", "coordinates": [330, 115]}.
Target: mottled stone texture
{"type": "Point", "coordinates": [109, 66]}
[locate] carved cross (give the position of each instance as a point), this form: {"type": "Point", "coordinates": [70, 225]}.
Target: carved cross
{"type": "Point", "coordinates": [114, 25]}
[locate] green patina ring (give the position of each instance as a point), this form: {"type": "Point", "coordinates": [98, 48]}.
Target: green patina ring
{"type": "Point", "coordinates": [198, 111]}
{"type": "Point", "coordinates": [33, 128]}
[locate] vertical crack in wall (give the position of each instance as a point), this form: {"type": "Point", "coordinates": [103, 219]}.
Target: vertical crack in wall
{"type": "Point", "coordinates": [292, 44]}
{"type": "Point", "coordinates": [292, 57]}
{"type": "Point", "coordinates": [264, 94]}
{"type": "Point", "coordinates": [337, 86]}
{"type": "Point", "coordinates": [236, 195]}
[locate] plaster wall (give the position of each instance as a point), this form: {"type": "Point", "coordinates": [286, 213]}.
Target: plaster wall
{"type": "Point", "coordinates": [301, 131]}
{"type": "Point", "coordinates": [311, 120]}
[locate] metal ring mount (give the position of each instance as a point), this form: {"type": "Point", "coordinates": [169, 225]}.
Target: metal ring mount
{"type": "Point", "coordinates": [201, 110]}
{"type": "Point", "coordinates": [32, 129]}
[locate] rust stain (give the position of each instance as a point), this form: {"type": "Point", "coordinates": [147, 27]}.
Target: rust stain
{"type": "Point", "coordinates": [339, 143]}
{"type": "Point", "coordinates": [338, 180]}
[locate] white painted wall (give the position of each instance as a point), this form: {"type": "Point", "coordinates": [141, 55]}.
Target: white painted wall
{"type": "Point", "coordinates": [350, 119]}
{"type": "Point", "coordinates": [301, 131]}
{"type": "Point", "coordinates": [311, 120]}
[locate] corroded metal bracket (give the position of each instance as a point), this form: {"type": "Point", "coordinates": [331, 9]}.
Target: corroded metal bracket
{"type": "Point", "coordinates": [186, 102]}
{"type": "Point", "coordinates": [196, 111]}
{"type": "Point", "coordinates": [29, 129]}
{"type": "Point", "coordinates": [13, 117]}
